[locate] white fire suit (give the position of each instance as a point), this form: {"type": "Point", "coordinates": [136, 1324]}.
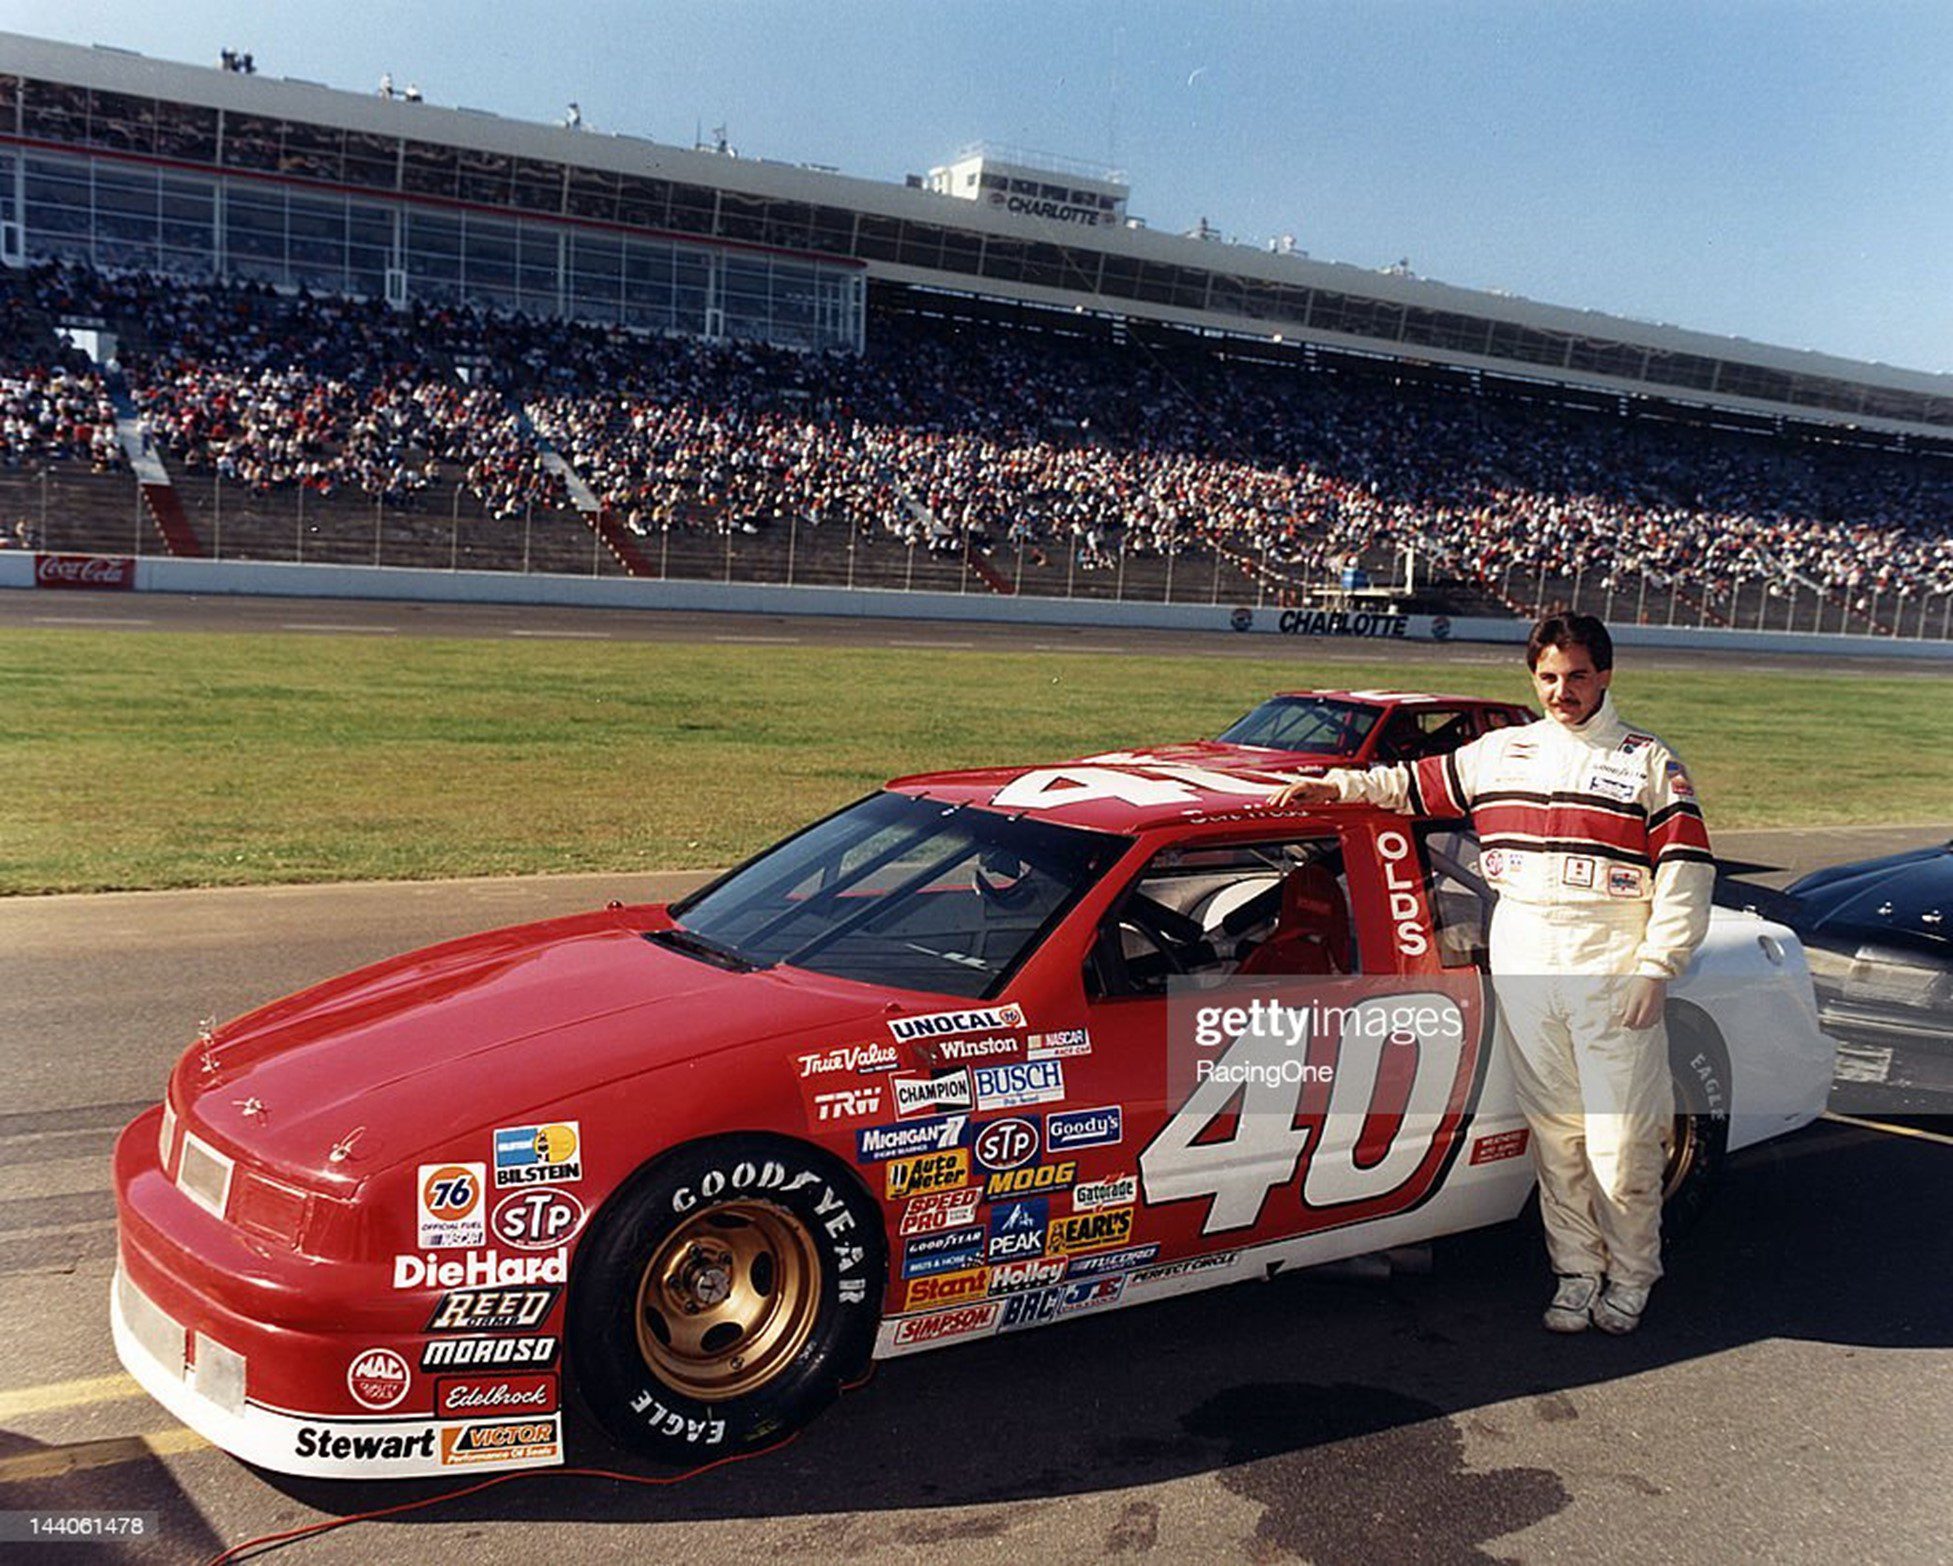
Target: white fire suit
{"type": "Point", "coordinates": [1593, 839]}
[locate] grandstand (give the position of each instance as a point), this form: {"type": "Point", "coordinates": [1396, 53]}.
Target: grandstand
{"type": "Point", "coordinates": [264, 319]}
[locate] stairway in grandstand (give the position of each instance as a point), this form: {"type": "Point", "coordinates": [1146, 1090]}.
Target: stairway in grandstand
{"type": "Point", "coordinates": [602, 519]}
{"type": "Point", "coordinates": [159, 497]}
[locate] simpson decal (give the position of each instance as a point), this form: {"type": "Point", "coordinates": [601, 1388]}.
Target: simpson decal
{"type": "Point", "coordinates": [966, 1321]}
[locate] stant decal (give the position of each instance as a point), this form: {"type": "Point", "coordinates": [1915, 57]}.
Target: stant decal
{"type": "Point", "coordinates": [946, 1288]}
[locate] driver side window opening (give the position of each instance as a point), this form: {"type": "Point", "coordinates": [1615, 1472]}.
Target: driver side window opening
{"type": "Point", "coordinates": [1461, 898]}
{"type": "Point", "coordinates": [1208, 913]}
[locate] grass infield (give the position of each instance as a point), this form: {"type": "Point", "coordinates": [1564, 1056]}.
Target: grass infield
{"type": "Point", "coordinates": [181, 759]}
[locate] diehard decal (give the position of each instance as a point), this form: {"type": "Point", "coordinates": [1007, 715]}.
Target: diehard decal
{"type": "Point", "coordinates": [478, 1270]}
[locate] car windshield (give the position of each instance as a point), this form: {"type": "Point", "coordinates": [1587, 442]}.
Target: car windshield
{"type": "Point", "coordinates": [1317, 723]}
{"type": "Point", "coordinates": [902, 891]}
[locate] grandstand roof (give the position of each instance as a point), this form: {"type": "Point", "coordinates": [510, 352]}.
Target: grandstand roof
{"type": "Point", "coordinates": [907, 234]}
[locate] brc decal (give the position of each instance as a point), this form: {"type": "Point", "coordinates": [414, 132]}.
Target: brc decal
{"type": "Point", "coordinates": [940, 1210]}
{"type": "Point", "coordinates": [538, 1155]}
{"type": "Point", "coordinates": [1032, 1178]}
{"type": "Point", "coordinates": [1007, 1144]}
{"type": "Point", "coordinates": [930, 1172]}
{"type": "Point", "coordinates": [1090, 1231]}
{"type": "Point", "coordinates": [959, 1323]}
{"type": "Point", "coordinates": [1047, 1305]}
{"type": "Point", "coordinates": [947, 1288]}
{"type": "Point", "coordinates": [451, 1206]}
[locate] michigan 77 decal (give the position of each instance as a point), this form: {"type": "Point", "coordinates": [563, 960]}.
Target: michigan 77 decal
{"type": "Point", "coordinates": [1347, 1101]}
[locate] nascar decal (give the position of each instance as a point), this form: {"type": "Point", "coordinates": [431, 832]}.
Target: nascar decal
{"type": "Point", "coordinates": [1018, 1082]}
{"type": "Point", "coordinates": [938, 1024]}
{"type": "Point", "coordinates": [1090, 1231]}
{"type": "Point", "coordinates": [1054, 1046]}
{"type": "Point", "coordinates": [537, 1155]}
{"type": "Point", "coordinates": [965, 1321]}
{"type": "Point", "coordinates": [849, 1057]}
{"type": "Point", "coordinates": [451, 1206]}
{"type": "Point", "coordinates": [1372, 1141]}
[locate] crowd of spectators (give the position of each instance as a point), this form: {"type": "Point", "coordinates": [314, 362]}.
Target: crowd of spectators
{"type": "Point", "coordinates": [53, 406]}
{"type": "Point", "coordinates": [959, 438]}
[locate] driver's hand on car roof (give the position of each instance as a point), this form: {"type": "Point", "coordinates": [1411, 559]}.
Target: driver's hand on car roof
{"type": "Point", "coordinates": [1310, 791]}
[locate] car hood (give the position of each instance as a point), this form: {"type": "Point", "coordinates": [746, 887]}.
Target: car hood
{"type": "Point", "coordinates": [1902, 898]}
{"type": "Point", "coordinates": [1217, 753]}
{"type": "Point", "coordinates": [413, 1051]}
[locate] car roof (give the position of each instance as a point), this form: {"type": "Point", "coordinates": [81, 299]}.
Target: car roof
{"type": "Point", "coordinates": [1380, 698]}
{"type": "Point", "coordinates": [1124, 797]}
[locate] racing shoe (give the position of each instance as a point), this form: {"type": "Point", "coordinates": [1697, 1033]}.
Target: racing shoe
{"type": "Point", "coordinates": [1620, 1307]}
{"type": "Point", "coordinates": [1573, 1302]}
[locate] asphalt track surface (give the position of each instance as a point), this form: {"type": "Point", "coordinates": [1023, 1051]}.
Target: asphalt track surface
{"type": "Point", "coordinates": [1789, 1399]}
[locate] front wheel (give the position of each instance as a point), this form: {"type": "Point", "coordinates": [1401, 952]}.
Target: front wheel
{"type": "Point", "coordinates": [724, 1296]}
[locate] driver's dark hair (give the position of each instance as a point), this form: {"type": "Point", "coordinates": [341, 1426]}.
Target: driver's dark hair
{"type": "Point", "coordinates": [1571, 630]}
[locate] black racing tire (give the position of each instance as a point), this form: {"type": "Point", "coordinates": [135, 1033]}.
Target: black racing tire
{"type": "Point", "coordinates": [1699, 1142]}
{"type": "Point", "coordinates": [724, 1296]}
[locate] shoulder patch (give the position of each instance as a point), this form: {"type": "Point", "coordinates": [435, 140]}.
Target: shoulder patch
{"type": "Point", "coordinates": [1678, 781]}
{"type": "Point", "coordinates": [1631, 742]}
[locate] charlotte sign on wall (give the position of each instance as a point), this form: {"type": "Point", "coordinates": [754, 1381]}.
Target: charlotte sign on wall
{"type": "Point", "coordinates": [1362, 624]}
{"type": "Point", "coordinates": [116, 572]}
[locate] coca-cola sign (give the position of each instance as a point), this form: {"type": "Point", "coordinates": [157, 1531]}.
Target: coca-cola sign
{"type": "Point", "coordinates": [477, 1397]}
{"type": "Point", "coordinates": [109, 572]}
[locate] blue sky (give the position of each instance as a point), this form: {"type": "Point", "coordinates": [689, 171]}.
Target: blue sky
{"type": "Point", "coordinates": [1779, 171]}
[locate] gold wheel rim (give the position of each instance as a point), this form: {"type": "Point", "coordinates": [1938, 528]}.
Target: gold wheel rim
{"type": "Point", "coordinates": [728, 1300]}
{"type": "Point", "coordinates": [1681, 1155]}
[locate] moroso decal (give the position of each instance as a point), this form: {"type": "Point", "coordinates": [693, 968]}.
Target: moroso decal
{"type": "Point", "coordinates": [450, 1203]}
{"type": "Point", "coordinates": [961, 1322]}
{"type": "Point", "coordinates": [539, 1154]}
{"type": "Point", "coordinates": [489, 1353]}
{"type": "Point", "coordinates": [937, 1024]}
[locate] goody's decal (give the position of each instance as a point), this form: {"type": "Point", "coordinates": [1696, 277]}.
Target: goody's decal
{"type": "Point", "coordinates": [1010, 1083]}
{"type": "Point", "coordinates": [878, 1144]}
{"type": "Point", "coordinates": [1068, 1130]}
{"type": "Point", "coordinates": [940, 1024]}
{"type": "Point", "coordinates": [538, 1155]}
{"type": "Point", "coordinates": [1007, 1144]}
{"type": "Point", "coordinates": [451, 1206]}
{"type": "Point", "coordinates": [1017, 1229]}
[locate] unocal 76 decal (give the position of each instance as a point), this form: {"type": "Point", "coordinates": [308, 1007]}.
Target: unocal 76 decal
{"type": "Point", "coordinates": [1349, 1105]}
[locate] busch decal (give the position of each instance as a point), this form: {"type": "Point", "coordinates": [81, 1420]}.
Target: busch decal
{"type": "Point", "coordinates": [1018, 1082]}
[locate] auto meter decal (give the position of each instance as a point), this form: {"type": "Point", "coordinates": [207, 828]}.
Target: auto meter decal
{"type": "Point", "coordinates": [538, 1155]}
{"type": "Point", "coordinates": [451, 1207]}
{"type": "Point", "coordinates": [536, 1220]}
{"type": "Point", "coordinates": [378, 1378]}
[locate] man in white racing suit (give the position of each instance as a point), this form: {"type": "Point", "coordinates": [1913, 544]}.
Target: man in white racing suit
{"type": "Point", "coordinates": [1590, 833]}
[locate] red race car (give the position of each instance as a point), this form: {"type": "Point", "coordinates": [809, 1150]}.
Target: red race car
{"type": "Point", "coordinates": [983, 1051]}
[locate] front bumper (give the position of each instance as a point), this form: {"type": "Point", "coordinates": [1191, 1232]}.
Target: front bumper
{"type": "Point", "coordinates": [253, 1348]}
